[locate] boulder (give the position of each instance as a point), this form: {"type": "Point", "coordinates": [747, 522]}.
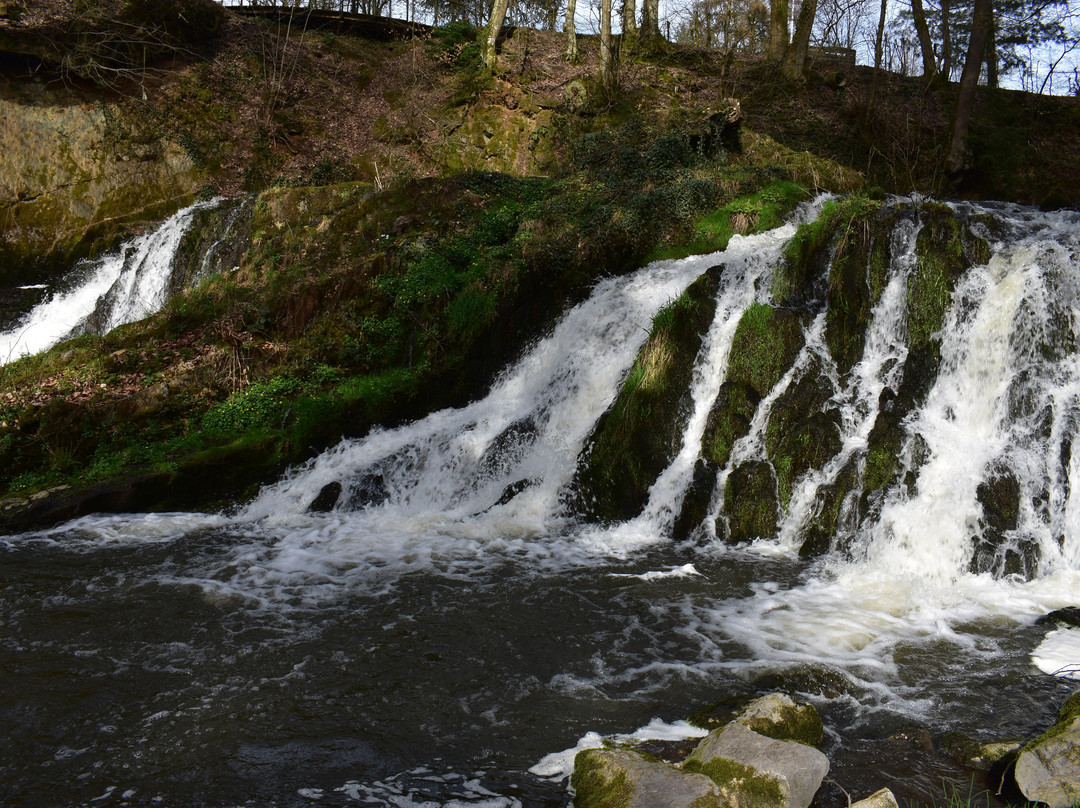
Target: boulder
{"type": "Point", "coordinates": [753, 771]}
{"type": "Point", "coordinates": [1048, 768]}
{"type": "Point", "coordinates": [780, 717]}
{"type": "Point", "coordinates": [618, 778]}
{"type": "Point", "coordinates": [879, 799]}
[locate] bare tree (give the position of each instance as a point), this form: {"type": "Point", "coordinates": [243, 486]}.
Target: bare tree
{"type": "Point", "coordinates": [571, 32]}
{"type": "Point", "coordinates": [607, 66]}
{"type": "Point", "coordinates": [929, 61]}
{"type": "Point", "coordinates": [795, 60]}
{"type": "Point", "coordinates": [494, 28]}
{"type": "Point", "coordinates": [778, 30]}
{"type": "Point", "coordinates": [982, 23]}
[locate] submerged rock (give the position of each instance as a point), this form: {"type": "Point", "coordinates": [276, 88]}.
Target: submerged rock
{"type": "Point", "coordinates": [1048, 768]}
{"type": "Point", "coordinates": [617, 778]}
{"type": "Point", "coordinates": [753, 771]}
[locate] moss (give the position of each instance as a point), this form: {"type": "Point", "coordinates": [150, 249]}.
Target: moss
{"type": "Point", "coordinates": [596, 785]}
{"type": "Point", "coordinates": [636, 439]}
{"type": "Point", "coordinates": [753, 789]}
{"type": "Point", "coordinates": [750, 502]}
{"type": "Point", "coordinates": [765, 344]}
{"type": "Point", "coordinates": [799, 723]}
{"type": "Point", "coordinates": [729, 419]}
{"type": "Point", "coordinates": [1067, 714]}
{"type": "Point", "coordinates": [829, 502]}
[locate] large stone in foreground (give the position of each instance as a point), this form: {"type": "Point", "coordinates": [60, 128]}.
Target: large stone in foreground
{"type": "Point", "coordinates": [617, 778]}
{"type": "Point", "coordinates": [1048, 769]}
{"type": "Point", "coordinates": [753, 771]}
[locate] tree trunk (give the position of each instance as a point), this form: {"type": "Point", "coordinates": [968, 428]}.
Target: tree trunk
{"type": "Point", "coordinates": [925, 44]}
{"type": "Point", "coordinates": [650, 21]}
{"type": "Point", "coordinates": [795, 61]}
{"type": "Point", "coordinates": [778, 30]}
{"type": "Point", "coordinates": [629, 17]}
{"type": "Point", "coordinates": [494, 26]}
{"type": "Point", "coordinates": [572, 55]}
{"type": "Point", "coordinates": [606, 66]}
{"type": "Point", "coordinates": [990, 57]}
{"type": "Point", "coordinates": [946, 41]}
{"type": "Point", "coordinates": [879, 49]}
{"type": "Point", "coordinates": [982, 23]}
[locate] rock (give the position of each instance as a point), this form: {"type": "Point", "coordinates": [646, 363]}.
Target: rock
{"type": "Point", "coordinates": [753, 771]}
{"type": "Point", "coordinates": [617, 778]}
{"type": "Point", "coordinates": [879, 799]}
{"type": "Point", "coordinates": [778, 716]}
{"type": "Point", "coordinates": [1048, 768]}
{"type": "Point", "coordinates": [1068, 616]}
{"type": "Point", "coordinates": [327, 498]}
{"type": "Point", "coordinates": [977, 755]}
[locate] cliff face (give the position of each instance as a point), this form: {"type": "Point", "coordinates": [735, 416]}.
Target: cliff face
{"type": "Point", "coordinates": [70, 181]}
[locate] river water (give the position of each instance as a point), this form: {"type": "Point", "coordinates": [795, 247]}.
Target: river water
{"type": "Point", "coordinates": [448, 627]}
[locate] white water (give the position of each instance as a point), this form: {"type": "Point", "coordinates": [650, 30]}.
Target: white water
{"type": "Point", "coordinates": [470, 491]}
{"type": "Point", "coordinates": [130, 283]}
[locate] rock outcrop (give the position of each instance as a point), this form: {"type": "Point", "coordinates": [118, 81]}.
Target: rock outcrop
{"type": "Point", "coordinates": [1048, 768]}
{"type": "Point", "coordinates": [754, 771]}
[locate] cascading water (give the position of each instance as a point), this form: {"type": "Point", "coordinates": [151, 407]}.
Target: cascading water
{"type": "Point", "coordinates": [118, 288]}
{"type": "Point", "coordinates": [443, 620]}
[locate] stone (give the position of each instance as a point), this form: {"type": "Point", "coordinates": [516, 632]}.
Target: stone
{"type": "Point", "coordinates": [780, 717]}
{"type": "Point", "coordinates": [1048, 768]}
{"type": "Point", "coordinates": [618, 778]}
{"type": "Point", "coordinates": [883, 798]}
{"type": "Point", "coordinates": [326, 499]}
{"type": "Point", "coordinates": [753, 771]}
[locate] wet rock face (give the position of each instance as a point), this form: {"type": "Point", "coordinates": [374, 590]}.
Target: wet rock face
{"type": "Point", "coordinates": [71, 189]}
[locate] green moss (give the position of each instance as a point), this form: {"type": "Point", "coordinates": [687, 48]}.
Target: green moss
{"type": "Point", "coordinates": [753, 789]}
{"type": "Point", "coordinates": [636, 439]}
{"type": "Point", "coordinates": [765, 344]}
{"type": "Point", "coordinates": [596, 785]}
{"type": "Point", "coordinates": [1067, 714]}
{"type": "Point", "coordinates": [800, 723]}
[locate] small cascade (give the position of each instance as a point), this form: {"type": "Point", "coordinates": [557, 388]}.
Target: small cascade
{"type": "Point", "coordinates": [503, 459]}
{"type": "Point", "coordinates": [99, 295]}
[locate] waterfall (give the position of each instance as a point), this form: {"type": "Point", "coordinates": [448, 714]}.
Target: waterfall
{"type": "Point", "coordinates": [99, 295]}
{"type": "Point", "coordinates": [374, 624]}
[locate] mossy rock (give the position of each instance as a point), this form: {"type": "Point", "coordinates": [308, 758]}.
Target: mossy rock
{"type": "Point", "coordinates": [802, 434]}
{"type": "Point", "coordinates": [698, 497]}
{"type": "Point", "coordinates": [778, 716]}
{"type": "Point", "coordinates": [857, 277]}
{"type": "Point", "coordinates": [996, 551]}
{"type": "Point", "coordinates": [766, 343]}
{"type": "Point", "coordinates": [729, 419]}
{"type": "Point", "coordinates": [750, 503]}
{"type": "Point", "coordinates": [830, 501]}
{"type": "Point", "coordinates": [638, 437]}
{"type": "Point", "coordinates": [620, 778]}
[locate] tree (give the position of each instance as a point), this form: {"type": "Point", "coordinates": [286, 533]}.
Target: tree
{"type": "Point", "coordinates": [795, 60]}
{"type": "Point", "coordinates": [982, 23]}
{"type": "Point", "coordinates": [607, 67]}
{"type": "Point", "coordinates": [572, 55]}
{"type": "Point", "coordinates": [494, 27]}
{"type": "Point", "coordinates": [929, 61]}
{"type": "Point", "coordinates": [629, 17]}
{"type": "Point", "coordinates": [649, 32]}
{"type": "Point", "coordinates": [778, 30]}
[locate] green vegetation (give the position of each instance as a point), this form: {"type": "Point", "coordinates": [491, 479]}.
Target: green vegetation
{"type": "Point", "coordinates": [595, 785]}
{"type": "Point", "coordinates": [754, 789]}
{"type": "Point", "coordinates": [636, 439]}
